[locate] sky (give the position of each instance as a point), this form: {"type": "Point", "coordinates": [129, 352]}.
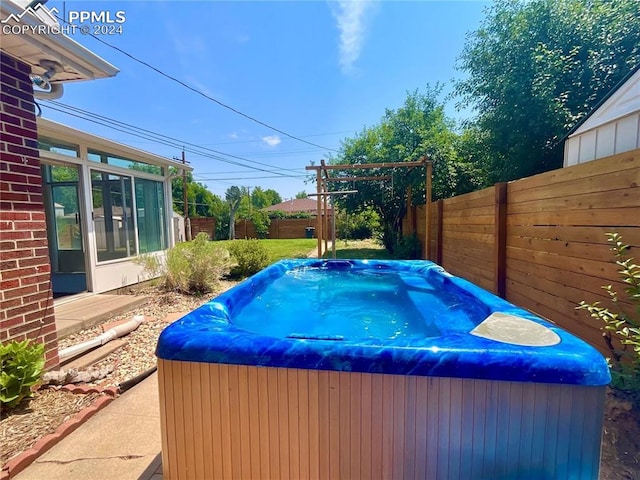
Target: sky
{"type": "Point", "coordinates": [320, 71]}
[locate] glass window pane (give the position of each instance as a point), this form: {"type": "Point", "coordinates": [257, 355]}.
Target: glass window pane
{"type": "Point", "coordinates": [58, 146]}
{"type": "Point", "coordinates": [65, 198]}
{"type": "Point", "coordinates": [112, 215]}
{"type": "Point", "coordinates": [60, 174]}
{"type": "Point", "coordinates": [137, 165]}
{"type": "Point", "coordinates": [150, 215]}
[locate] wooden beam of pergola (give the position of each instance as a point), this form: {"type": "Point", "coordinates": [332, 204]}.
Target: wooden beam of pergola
{"type": "Point", "coordinates": [319, 210]}
{"type": "Point", "coordinates": [358, 179]}
{"type": "Point", "coordinates": [322, 194]}
{"type": "Point", "coordinates": [325, 213]}
{"type": "Point", "coordinates": [330, 194]}
{"type": "Point", "coordinates": [365, 166]}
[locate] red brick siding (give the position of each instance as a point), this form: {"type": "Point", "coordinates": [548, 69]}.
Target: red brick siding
{"type": "Point", "coordinates": [25, 272]}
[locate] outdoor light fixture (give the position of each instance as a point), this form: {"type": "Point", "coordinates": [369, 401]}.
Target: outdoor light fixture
{"type": "Point", "coordinates": [42, 80]}
{"type": "Point", "coordinates": [47, 90]}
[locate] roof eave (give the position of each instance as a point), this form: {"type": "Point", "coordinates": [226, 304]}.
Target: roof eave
{"type": "Point", "coordinates": [58, 47]}
{"type": "Point", "coordinates": [600, 103]}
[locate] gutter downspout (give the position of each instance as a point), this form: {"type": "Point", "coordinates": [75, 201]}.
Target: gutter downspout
{"type": "Point", "coordinates": [106, 337]}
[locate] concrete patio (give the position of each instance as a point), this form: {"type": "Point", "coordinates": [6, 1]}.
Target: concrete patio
{"type": "Point", "coordinates": [120, 441]}
{"type": "Point", "coordinates": [81, 312]}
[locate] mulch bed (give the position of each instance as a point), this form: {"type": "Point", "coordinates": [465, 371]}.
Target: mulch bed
{"type": "Point", "coordinates": [21, 428]}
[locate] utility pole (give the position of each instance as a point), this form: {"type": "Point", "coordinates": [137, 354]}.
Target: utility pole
{"type": "Point", "coordinates": [187, 221]}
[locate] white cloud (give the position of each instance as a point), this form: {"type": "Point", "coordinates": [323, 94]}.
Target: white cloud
{"type": "Point", "coordinates": [272, 140]}
{"type": "Point", "coordinates": [350, 18]}
{"type": "Point", "coordinates": [243, 38]}
{"type": "Point", "coordinates": [233, 135]}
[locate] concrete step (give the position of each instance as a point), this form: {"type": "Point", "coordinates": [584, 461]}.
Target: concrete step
{"type": "Point", "coordinates": [86, 312]}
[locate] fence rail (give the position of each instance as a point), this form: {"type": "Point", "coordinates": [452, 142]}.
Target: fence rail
{"type": "Point", "coordinates": [203, 224]}
{"type": "Point", "coordinates": [540, 241]}
{"type": "Point", "coordinates": [280, 228]}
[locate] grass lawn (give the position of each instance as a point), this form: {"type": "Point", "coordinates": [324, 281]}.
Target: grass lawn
{"type": "Point", "coordinates": [279, 249]}
{"type": "Point", "coordinates": [360, 249]}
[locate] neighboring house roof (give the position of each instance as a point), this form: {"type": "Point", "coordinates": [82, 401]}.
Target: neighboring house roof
{"type": "Point", "coordinates": [32, 47]}
{"type": "Point", "coordinates": [296, 205]}
{"type": "Point", "coordinates": [613, 104]}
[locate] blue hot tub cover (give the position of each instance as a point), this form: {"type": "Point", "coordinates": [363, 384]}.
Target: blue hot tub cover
{"type": "Point", "coordinates": [208, 334]}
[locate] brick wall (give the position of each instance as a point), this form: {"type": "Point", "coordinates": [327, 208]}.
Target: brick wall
{"type": "Point", "coordinates": [25, 272]}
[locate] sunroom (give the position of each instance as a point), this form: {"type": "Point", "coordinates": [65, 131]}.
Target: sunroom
{"type": "Point", "coordinates": [106, 203]}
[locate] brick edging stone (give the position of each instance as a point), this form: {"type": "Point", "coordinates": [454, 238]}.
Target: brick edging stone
{"type": "Point", "coordinates": [21, 461]}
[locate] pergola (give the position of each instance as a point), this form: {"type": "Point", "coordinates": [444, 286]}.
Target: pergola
{"type": "Point", "coordinates": [323, 179]}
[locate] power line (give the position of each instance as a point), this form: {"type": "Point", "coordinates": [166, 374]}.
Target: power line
{"type": "Point", "coordinates": [209, 97]}
{"type": "Point", "coordinates": [162, 139]}
{"type": "Point", "coordinates": [235, 172]}
{"type": "Point", "coordinates": [200, 178]}
{"type": "Point", "coordinates": [154, 134]}
{"type": "Point", "coordinates": [197, 153]}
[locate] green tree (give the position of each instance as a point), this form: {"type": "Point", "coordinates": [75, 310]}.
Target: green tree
{"type": "Point", "coordinates": [302, 194]}
{"type": "Point", "coordinates": [273, 197]}
{"type": "Point", "coordinates": [202, 203]}
{"type": "Point", "coordinates": [471, 145]}
{"type": "Point", "coordinates": [246, 207]}
{"type": "Point", "coordinates": [177, 189]}
{"type": "Point", "coordinates": [535, 68]}
{"type": "Point", "coordinates": [259, 198]}
{"type": "Point", "coordinates": [418, 128]}
{"type": "Point", "coordinates": [233, 195]}
{"type": "Point", "coordinates": [261, 222]}
{"type": "Point", "coordinates": [222, 222]}
{"type": "Point", "coordinates": [264, 198]}
{"type": "Point", "coordinates": [357, 226]}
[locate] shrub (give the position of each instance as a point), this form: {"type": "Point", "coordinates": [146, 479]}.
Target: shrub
{"type": "Point", "coordinates": [21, 367]}
{"type": "Point", "coordinates": [357, 226]}
{"type": "Point", "coordinates": [190, 267]}
{"type": "Point", "coordinates": [279, 214]}
{"type": "Point", "coordinates": [623, 325]}
{"type": "Point", "coordinates": [408, 248]}
{"type": "Point", "coordinates": [261, 222]}
{"type": "Point", "coordinates": [251, 257]}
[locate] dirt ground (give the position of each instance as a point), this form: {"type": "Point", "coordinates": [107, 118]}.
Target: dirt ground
{"type": "Point", "coordinates": [621, 439]}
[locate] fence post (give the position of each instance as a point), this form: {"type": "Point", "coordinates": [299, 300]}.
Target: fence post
{"type": "Point", "coordinates": [440, 212]}
{"type": "Point", "coordinates": [187, 228]}
{"type": "Point", "coordinates": [500, 241]}
{"type": "Point", "coordinates": [410, 212]}
{"type": "Point", "coordinates": [427, 207]}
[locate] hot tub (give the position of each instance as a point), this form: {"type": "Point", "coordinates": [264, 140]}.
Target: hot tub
{"type": "Point", "coordinates": [375, 369]}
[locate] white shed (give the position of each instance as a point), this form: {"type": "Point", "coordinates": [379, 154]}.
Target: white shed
{"type": "Point", "coordinates": [612, 127]}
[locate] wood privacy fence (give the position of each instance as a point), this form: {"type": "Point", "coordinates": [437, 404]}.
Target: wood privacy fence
{"type": "Point", "coordinates": [280, 228]}
{"type": "Point", "coordinates": [540, 241]}
{"type": "Point", "coordinates": [203, 224]}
